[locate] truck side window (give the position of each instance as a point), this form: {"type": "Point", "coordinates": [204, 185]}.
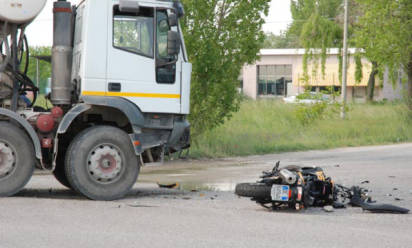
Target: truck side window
{"type": "Point", "coordinates": [133, 33]}
{"type": "Point", "coordinates": [165, 74]}
{"type": "Point", "coordinates": [162, 30]}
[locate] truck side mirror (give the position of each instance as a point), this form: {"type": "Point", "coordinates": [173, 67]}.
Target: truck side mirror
{"type": "Point", "coordinates": [173, 43]}
{"type": "Point", "coordinates": [172, 20]}
{"type": "Point", "coordinates": [179, 9]}
{"type": "Point", "coordinates": [129, 6]}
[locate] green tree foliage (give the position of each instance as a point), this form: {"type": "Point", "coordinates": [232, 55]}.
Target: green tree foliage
{"type": "Point", "coordinates": [385, 32]}
{"type": "Point", "coordinates": [44, 67]}
{"type": "Point", "coordinates": [303, 10]}
{"type": "Point", "coordinates": [358, 62]}
{"type": "Point", "coordinates": [381, 28]}
{"type": "Point", "coordinates": [221, 36]}
{"type": "Point", "coordinates": [318, 24]}
{"type": "Point", "coordinates": [315, 22]}
{"type": "Point", "coordinates": [282, 40]}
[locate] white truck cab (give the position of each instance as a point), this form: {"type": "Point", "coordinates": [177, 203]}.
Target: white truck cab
{"type": "Point", "coordinates": [124, 54]}
{"type": "Point", "coordinates": [120, 91]}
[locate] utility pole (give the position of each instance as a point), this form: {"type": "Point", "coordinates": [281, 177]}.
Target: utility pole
{"type": "Point", "coordinates": [345, 61]}
{"type": "Point", "coordinates": [37, 72]}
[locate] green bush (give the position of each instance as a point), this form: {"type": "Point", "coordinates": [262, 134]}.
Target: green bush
{"type": "Point", "coordinates": [307, 113]}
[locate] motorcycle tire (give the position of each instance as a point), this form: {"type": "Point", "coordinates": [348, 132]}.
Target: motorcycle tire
{"type": "Point", "coordinates": [253, 190]}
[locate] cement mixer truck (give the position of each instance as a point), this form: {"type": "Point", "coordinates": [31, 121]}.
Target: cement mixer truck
{"type": "Point", "coordinates": [119, 96]}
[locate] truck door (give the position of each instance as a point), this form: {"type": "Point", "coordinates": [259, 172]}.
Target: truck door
{"type": "Point", "coordinates": [136, 61]}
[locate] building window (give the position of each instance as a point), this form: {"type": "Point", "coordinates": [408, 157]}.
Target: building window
{"type": "Point", "coordinates": [274, 79]}
{"type": "Point", "coordinates": [329, 89]}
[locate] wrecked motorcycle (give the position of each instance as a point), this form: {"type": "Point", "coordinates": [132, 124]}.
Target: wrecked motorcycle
{"type": "Point", "coordinates": [297, 188]}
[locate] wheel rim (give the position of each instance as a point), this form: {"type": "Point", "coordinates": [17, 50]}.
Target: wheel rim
{"type": "Point", "coordinates": [105, 163]}
{"type": "Point", "coordinates": [7, 159]}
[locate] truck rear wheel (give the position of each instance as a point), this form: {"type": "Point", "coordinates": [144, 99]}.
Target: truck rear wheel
{"type": "Point", "coordinates": [60, 174]}
{"type": "Point", "coordinates": [16, 159]}
{"type": "Point", "coordinates": [101, 163]}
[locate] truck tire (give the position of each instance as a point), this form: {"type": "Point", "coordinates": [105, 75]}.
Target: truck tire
{"type": "Point", "coordinates": [101, 163]}
{"type": "Point", "coordinates": [17, 159]}
{"type": "Point", "coordinates": [253, 190]}
{"type": "Point", "coordinates": [60, 174]}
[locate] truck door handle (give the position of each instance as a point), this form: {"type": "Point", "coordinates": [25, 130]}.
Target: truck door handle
{"type": "Point", "coordinates": [115, 87]}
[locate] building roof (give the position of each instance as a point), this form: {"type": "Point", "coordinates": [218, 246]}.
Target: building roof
{"type": "Point", "coordinates": [298, 51]}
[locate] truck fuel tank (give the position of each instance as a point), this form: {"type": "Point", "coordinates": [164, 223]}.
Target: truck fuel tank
{"type": "Point", "coordinates": [20, 11]}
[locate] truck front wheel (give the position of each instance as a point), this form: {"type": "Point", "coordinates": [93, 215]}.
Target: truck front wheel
{"type": "Point", "coordinates": [101, 163]}
{"type": "Point", "coordinates": [16, 159]}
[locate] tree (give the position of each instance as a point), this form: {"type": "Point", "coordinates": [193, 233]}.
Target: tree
{"type": "Point", "coordinates": [319, 24]}
{"type": "Point", "coordinates": [370, 90]}
{"type": "Point", "coordinates": [283, 40]}
{"type": "Point", "coordinates": [315, 22]}
{"type": "Point", "coordinates": [44, 67]}
{"type": "Point", "coordinates": [303, 10]}
{"type": "Point", "coordinates": [385, 32]}
{"type": "Point", "coordinates": [221, 36]}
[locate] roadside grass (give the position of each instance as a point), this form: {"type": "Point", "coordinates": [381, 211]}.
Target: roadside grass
{"type": "Point", "coordinates": [270, 126]}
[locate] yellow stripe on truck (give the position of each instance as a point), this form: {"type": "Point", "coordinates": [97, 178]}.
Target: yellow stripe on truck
{"type": "Point", "coordinates": [126, 94]}
{"type": "Point", "coordinates": [93, 93]}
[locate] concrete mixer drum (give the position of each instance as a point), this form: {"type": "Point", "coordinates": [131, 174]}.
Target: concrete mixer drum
{"type": "Point", "coordinates": [15, 15]}
{"type": "Point", "coordinates": [20, 11]}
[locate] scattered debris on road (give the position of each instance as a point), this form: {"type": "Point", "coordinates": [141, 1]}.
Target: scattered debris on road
{"type": "Point", "coordinates": [297, 188]}
{"type": "Point", "coordinates": [140, 206]}
{"type": "Point", "coordinates": [328, 209]}
{"type": "Point", "coordinates": [169, 186]}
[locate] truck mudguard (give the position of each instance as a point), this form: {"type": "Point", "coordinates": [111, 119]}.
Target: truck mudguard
{"type": "Point", "coordinates": [131, 111]}
{"type": "Point", "coordinates": [27, 127]}
{"type": "Point", "coordinates": [71, 115]}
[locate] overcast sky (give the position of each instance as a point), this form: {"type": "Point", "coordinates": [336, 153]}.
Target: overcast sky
{"type": "Point", "coordinates": [40, 31]}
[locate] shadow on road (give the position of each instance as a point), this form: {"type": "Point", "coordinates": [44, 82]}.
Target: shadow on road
{"type": "Point", "coordinates": [67, 194]}
{"type": "Point", "coordinates": [50, 194]}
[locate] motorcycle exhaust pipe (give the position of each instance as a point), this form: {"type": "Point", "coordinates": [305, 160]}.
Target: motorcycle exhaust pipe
{"type": "Point", "coordinates": [288, 176]}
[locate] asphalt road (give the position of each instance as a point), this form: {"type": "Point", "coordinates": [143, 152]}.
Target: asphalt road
{"type": "Point", "coordinates": [47, 215]}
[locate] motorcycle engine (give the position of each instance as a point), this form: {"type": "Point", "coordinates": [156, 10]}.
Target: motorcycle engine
{"type": "Point", "coordinates": [302, 187]}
